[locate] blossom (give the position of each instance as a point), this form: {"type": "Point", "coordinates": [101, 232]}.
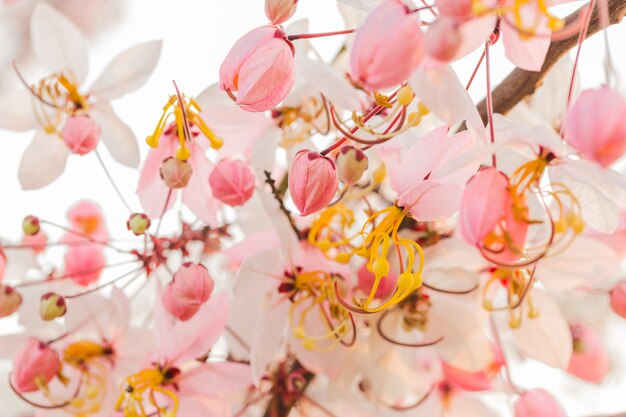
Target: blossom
{"type": "Point", "coordinates": [388, 47]}
{"type": "Point", "coordinates": [259, 68]}
{"type": "Point", "coordinates": [232, 182]}
{"type": "Point", "coordinates": [191, 287]}
{"type": "Point", "coordinates": [61, 48]}
{"type": "Point", "coordinates": [312, 181]}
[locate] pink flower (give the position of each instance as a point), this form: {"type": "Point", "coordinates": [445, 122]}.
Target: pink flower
{"type": "Point", "coordinates": [10, 300]}
{"type": "Point", "coordinates": [596, 125]}
{"type": "Point", "coordinates": [538, 403]}
{"type": "Point", "coordinates": [388, 46]}
{"type": "Point", "coordinates": [86, 217]}
{"type": "Point", "coordinates": [259, 68]}
{"type": "Point", "coordinates": [279, 11]}
{"type": "Point", "coordinates": [618, 299]}
{"type": "Point", "coordinates": [153, 192]}
{"type": "Point", "coordinates": [461, 9]}
{"type": "Point", "coordinates": [81, 134]}
{"type": "Point", "coordinates": [36, 362]}
{"type": "Point", "coordinates": [313, 181]}
{"type": "Point", "coordinates": [480, 215]}
{"type": "Point", "coordinates": [84, 263]}
{"type": "Point", "coordinates": [589, 360]}
{"type": "Point", "coordinates": [191, 287]}
{"type": "Point", "coordinates": [232, 182]}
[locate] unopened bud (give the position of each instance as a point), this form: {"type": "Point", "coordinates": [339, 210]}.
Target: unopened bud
{"type": "Point", "coordinates": [618, 299]}
{"type": "Point", "coordinates": [138, 223]}
{"type": "Point", "coordinates": [51, 306]}
{"type": "Point", "coordinates": [351, 164]}
{"type": "Point", "coordinates": [10, 300]}
{"type": "Point", "coordinates": [31, 225]}
{"type": "Point", "coordinates": [278, 11]}
{"type": "Point", "coordinates": [175, 172]}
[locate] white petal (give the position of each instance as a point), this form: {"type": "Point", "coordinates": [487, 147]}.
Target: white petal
{"type": "Point", "coordinates": [259, 273]}
{"type": "Point", "coordinates": [116, 135]}
{"type": "Point", "coordinates": [267, 339]}
{"type": "Point", "coordinates": [585, 261]}
{"type": "Point", "coordinates": [43, 161]}
{"type": "Point", "coordinates": [16, 112]}
{"type": "Point", "coordinates": [128, 71]}
{"type": "Point", "coordinates": [57, 42]}
{"type": "Point", "coordinates": [445, 96]}
{"type": "Point", "coordinates": [593, 191]}
{"type": "Point", "coordinates": [546, 338]}
{"type": "Point", "coordinates": [323, 78]}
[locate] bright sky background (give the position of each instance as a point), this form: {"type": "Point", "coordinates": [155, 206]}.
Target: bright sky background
{"type": "Point", "coordinates": [197, 35]}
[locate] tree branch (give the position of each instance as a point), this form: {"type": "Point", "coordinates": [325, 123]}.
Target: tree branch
{"type": "Point", "coordinates": [520, 83]}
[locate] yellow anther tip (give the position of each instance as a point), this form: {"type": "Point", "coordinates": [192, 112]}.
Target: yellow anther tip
{"type": "Point", "coordinates": [405, 95]}
{"type": "Point", "coordinates": [308, 344]}
{"type": "Point", "coordinates": [183, 153]}
{"type": "Point", "coordinates": [298, 332]}
{"type": "Point", "coordinates": [533, 314]}
{"type": "Point", "coordinates": [380, 267]}
{"type": "Point", "coordinates": [217, 143]}
{"type": "Point", "coordinates": [152, 141]}
{"type": "Point", "coordinates": [423, 110]}
{"type": "Point", "coordinates": [514, 323]}
{"type": "Point", "coordinates": [343, 257]}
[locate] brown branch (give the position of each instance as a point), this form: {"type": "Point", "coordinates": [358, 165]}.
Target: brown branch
{"type": "Point", "coordinates": [520, 83]}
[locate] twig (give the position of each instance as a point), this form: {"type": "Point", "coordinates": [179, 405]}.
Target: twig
{"type": "Point", "coordinates": [275, 192]}
{"type": "Point", "coordinates": [520, 83]}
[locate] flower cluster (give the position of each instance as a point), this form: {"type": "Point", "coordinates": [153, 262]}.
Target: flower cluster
{"type": "Point", "coordinates": [354, 237]}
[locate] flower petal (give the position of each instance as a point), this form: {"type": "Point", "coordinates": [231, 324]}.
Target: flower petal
{"type": "Point", "coordinates": [43, 161]}
{"type": "Point", "coordinates": [128, 71]}
{"type": "Point", "coordinates": [16, 112]}
{"type": "Point", "coordinates": [58, 43]}
{"type": "Point", "coordinates": [116, 135]}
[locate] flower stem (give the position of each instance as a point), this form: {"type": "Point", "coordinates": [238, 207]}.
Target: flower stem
{"type": "Point", "coordinates": [320, 35]}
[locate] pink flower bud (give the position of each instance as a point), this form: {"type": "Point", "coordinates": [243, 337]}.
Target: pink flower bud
{"type": "Point", "coordinates": [482, 205]}
{"type": "Point", "coordinates": [313, 181]}
{"type": "Point", "coordinates": [81, 134]}
{"type": "Point", "coordinates": [190, 288]}
{"type": "Point", "coordinates": [30, 225]}
{"type": "Point", "coordinates": [84, 263]}
{"type": "Point", "coordinates": [175, 173]}
{"type": "Point", "coordinates": [386, 286]}
{"type": "Point", "coordinates": [589, 360]}
{"type": "Point", "coordinates": [10, 301]}
{"type": "Point", "coordinates": [351, 164]}
{"type": "Point", "coordinates": [279, 11]}
{"type": "Point", "coordinates": [538, 403]}
{"type": "Point", "coordinates": [618, 299]}
{"type": "Point", "coordinates": [388, 46]}
{"type": "Point", "coordinates": [443, 39]}
{"type": "Point", "coordinates": [35, 363]}
{"type": "Point", "coordinates": [259, 68]}
{"type": "Point", "coordinates": [596, 125]}
{"type": "Point", "coordinates": [51, 306]}
{"type": "Point", "coordinates": [138, 223]}
{"type": "Point", "coordinates": [232, 182]}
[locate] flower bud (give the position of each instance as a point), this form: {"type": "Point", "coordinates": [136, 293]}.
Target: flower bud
{"type": "Point", "coordinates": [190, 288]}
{"type": "Point", "coordinates": [482, 205]}
{"type": "Point", "coordinates": [313, 181]}
{"type": "Point", "coordinates": [10, 301]}
{"type": "Point", "coordinates": [443, 39]}
{"type": "Point", "coordinates": [279, 11]}
{"type": "Point", "coordinates": [387, 47]}
{"type": "Point", "coordinates": [589, 360]}
{"type": "Point", "coordinates": [35, 364]}
{"type": "Point", "coordinates": [31, 225]}
{"type": "Point", "coordinates": [260, 69]}
{"type": "Point", "coordinates": [81, 134]}
{"type": "Point", "coordinates": [538, 403]}
{"type": "Point", "coordinates": [232, 182]}
{"type": "Point", "coordinates": [51, 306]}
{"type": "Point", "coordinates": [596, 125]}
{"type": "Point", "coordinates": [175, 172]}
{"type": "Point", "coordinates": [618, 299]}
{"type": "Point", "coordinates": [84, 263]}
{"type": "Point", "coordinates": [138, 223]}
{"type": "Point", "coordinates": [351, 164]}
